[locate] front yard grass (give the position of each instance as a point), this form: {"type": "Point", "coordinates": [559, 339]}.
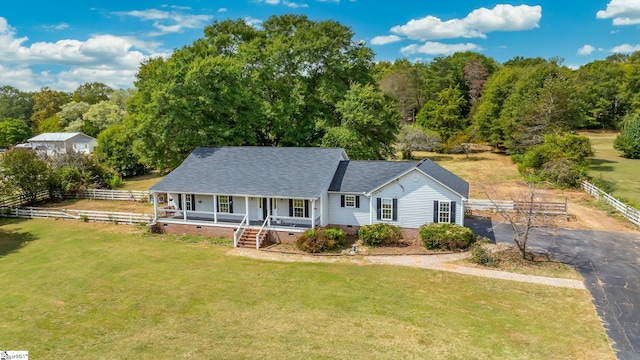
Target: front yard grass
{"type": "Point", "coordinates": [87, 290]}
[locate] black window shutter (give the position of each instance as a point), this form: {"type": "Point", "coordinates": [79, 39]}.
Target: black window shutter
{"type": "Point", "coordinates": [358, 201]}
{"type": "Point", "coordinates": [291, 207]}
{"type": "Point", "coordinates": [217, 203]}
{"type": "Point", "coordinates": [341, 200]}
{"type": "Point", "coordinates": [379, 208]}
{"type": "Point", "coordinates": [395, 210]}
{"type": "Point", "coordinates": [306, 208]}
{"type": "Point", "coordinates": [193, 202]}
{"type": "Point", "coordinates": [180, 201]}
{"type": "Point", "coordinates": [452, 217]}
{"type": "Point", "coordinates": [231, 204]}
{"type": "Point", "coordinates": [435, 211]}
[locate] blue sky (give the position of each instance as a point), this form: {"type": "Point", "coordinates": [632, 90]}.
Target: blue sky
{"type": "Point", "coordinates": [65, 44]}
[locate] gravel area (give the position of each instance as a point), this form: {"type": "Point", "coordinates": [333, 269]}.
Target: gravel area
{"type": "Point", "coordinates": [432, 262]}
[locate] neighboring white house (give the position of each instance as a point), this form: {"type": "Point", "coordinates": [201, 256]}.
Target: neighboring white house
{"type": "Point", "coordinates": [288, 190]}
{"type": "Point", "coordinates": [63, 143]}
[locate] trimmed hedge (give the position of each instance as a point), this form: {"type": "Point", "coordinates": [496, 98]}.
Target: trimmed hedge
{"type": "Point", "coordinates": [446, 236]}
{"type": "Point", "coordinates": [321, 239]}
{"type": "Point", "coordinates": [381, 234]}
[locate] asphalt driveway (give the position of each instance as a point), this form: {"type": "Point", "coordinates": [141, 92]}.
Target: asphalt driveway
{"type": "Point", "coordinates": [610, 265]}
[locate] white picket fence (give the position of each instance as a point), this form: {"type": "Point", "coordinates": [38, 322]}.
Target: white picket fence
{"type": "Point", "coordinates": [630, 213]}
{"type": "Point", "coordinates": [100, 194]}
{"type": "Point", "coordinates": [85, 215]}
{"type": "Point", "coordinates": [544, 207]}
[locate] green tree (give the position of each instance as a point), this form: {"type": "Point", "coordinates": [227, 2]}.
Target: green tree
{"type": "Point", "coordinates": [628, 142]}
{"type": "Point", "coordinates": [414, 138]}
{"type": "Point", "coordinates": [100, 116]}
{"type": "Point", "coordinates": [71, 113]}
{"type": "Point", "coordinates": [369, 124]}
{"type": "Point", "coordinates": [15, 104]}
{"type": "Point", "coordinates": [26, 172]}
{"type": "Point", "coordinates": [13, 131]}
{"type": "Point", "coordinates": [602, 86]}
{"type": "Point", "coordinates": [445, 116]}
{"type": "Point", "coordinates": [47, 103]}
{"type": "Point", "coordinates": [115, 150]}
{"type": "Point", "coordinates": [92, 93]}
{"type": "Point", "coordinates": [562, 159]}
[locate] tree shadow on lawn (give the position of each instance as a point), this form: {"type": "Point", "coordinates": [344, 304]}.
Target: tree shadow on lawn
{"type": "Point", "coordinates": [598, 165]}
{"type": "Point", "coordinates": [12, 241]}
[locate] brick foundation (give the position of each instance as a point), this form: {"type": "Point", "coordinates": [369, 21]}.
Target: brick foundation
{"type": "Point", "coordinates": [183, 229]}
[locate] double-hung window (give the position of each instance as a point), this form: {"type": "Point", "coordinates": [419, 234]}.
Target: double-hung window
{"type": "Point", "coordinates": [223, 203]}
{"type": "Point", "coordinates": [387, 209]}
{"type": "Point", "coordinates": [350, 201]}
{"type": "Point", "coordinates": [298, 208]}
{"type": "Point", "coordinates": [444, 212]}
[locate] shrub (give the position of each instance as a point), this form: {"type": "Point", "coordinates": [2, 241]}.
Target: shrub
{"type": "Point", "coordinates": [480, 254]}
{"type": "Point", "coordinates": [318, 240]}
{"type": "Point", "coordinates": [381, 234]}
{"type": "Point", "coordinates": [446, 236]}
{"type": "Point", "coordinates": [115, 181]}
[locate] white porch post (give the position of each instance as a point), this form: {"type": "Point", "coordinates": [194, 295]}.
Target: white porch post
{"type": "Point", "coordinates": [155, 207]}
{"type": "Point", "coordinates": [184, 208]}
{"type": "Point", "coordinates": [269, 212]}
{"type": "Point", "coordinates": [371, 210]}
{"type": "Point", "coordinates": [322, 223]}
{"type": "Point", "coordinates": [246, 207]}
{"type": "Point", "coordinates": [313, 213]}
{"type": "Point", "coordinates": [215, 206]}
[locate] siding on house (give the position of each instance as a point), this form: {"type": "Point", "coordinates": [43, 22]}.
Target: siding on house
{"type": "Point", "coordinates": [339, 215]}
{"type": "Point", "coordinates": [416, 193]}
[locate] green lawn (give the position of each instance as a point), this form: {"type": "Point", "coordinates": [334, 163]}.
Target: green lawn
{"type": "Point", "coordinates": [84, 290]}
{"type": "Point", "coordinates": [609, 165]}
{"type": "Point", "coordinates": [142, 182]}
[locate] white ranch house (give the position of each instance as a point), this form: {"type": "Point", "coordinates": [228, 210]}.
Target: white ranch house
{"type": "Point", "coordinates": [63, 143]}
{"type": "Point", "coordinates": [248, 192]}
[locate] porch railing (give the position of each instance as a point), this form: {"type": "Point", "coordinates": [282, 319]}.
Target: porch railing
{"type": "Point", "coordinates": [264, 224]}
{"type": "Point", "coordinates": [237, 235]}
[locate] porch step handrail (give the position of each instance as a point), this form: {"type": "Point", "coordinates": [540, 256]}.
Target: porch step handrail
{"type": "Point", "coordinates": [266, 220]}
{"type": "Point", "coordinates": [237, 235]}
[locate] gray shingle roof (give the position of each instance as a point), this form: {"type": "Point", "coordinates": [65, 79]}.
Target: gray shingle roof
{"type": "Point", "coordinates": [444, 176]}
{"type": "Point", "coordinates": [364, 176]}
{"type": "Point", "coordinates": [254, 171]}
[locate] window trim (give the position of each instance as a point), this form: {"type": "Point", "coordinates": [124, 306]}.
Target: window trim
{"type": "Point", "coordinates": [442, 213]}
{"type": "Point", "coordinates": [226, 203]}
{"type": "Point", "coordinates": [388, 202]}
{"type": "Point", "coordinates": [298, 204]}
{"type": "Point", "coordinates": [350, 199]}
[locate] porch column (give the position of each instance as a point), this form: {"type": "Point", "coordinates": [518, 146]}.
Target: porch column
{"type": "Point", "coordinates": [371, 210]}
{"type": "Point", "coordinates": [246, 206]}
{"type": "Point", "coordinates": [215, 206]}
{"type": "Point", "coordinates": [322, 212]}
{"type": "Point", "coordinates": [155, 206]}
{"type": "Point", "coordinates": [268, 212]}
{"type": "Point", "coordinates": [184, 207]}
{"type": "Point", "coordinates": [313, 213]}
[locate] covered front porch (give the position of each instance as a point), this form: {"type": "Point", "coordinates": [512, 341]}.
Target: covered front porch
{"type": "Point", "coordinates": [241, 212]}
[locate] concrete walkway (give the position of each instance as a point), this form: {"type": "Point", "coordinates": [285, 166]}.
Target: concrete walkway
{"type": "Point", "coordinates": [432, 262]}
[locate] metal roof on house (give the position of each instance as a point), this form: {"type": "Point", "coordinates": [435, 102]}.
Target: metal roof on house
{"type": "Point", "coordinates": [366, 176]}
{"type": "Point", "coordinates": [255, 171]}
{"type": "Point", "coordinates": [57, 136]}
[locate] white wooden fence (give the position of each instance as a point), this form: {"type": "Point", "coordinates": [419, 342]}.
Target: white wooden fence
{"type": "Point", "coordinates": [85, 215]}
{"type": "Point", "coordinates": [630, 213]}
{"type": "Point", "coordinates": [100, 194]}
{"type": "Point", "coordinates": [544, 207]}
{"type": "Point", "coordinates": [18, 200]}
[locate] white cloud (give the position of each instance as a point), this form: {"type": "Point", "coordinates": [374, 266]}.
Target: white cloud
{"type": "Point", "coordinates": [256, 23]}
{"type": "Point", "coordinates": [586, 50]}
{"type": "Point", "coordinates": [477, 24]}
{"type": "Point", "coordinates": [294, 5]}
{"type": "Point", "coordinates": [221, 10]}
{"type": "Point", "coordinates": [623, 12]}
{"type": "Point", "coordinates": [437, 48]}
{"type": "Point", "coordinates": [168, 22]}
{"type": "Point", "coordinates": [626, 48]}
{"type": "Point", "coordinates": [382, 40]}
{"type": "Point", "coordinates": [58, 27]}
{"type": "Point", "coordinates": [111, 59]}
